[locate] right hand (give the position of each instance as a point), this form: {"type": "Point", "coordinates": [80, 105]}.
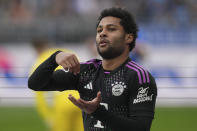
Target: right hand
{"type": "Point", "coordinates": [86, 106]}
{"type": "Point", "coordinates": [68, 61]}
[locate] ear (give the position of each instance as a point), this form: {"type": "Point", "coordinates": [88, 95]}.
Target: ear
{"type": "Point", "coordinates": [128, 38]}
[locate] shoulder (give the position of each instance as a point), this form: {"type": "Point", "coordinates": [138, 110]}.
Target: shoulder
{"type": "Point", "coordinates": [140, 79]}
{"type": "Point", "coordinates": [139, 72]}
{"type": "Point", "coordinates": [93, 63]}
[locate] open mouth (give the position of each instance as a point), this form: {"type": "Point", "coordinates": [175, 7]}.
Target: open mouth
{"type": "Point", "coordinates": [103, 43]}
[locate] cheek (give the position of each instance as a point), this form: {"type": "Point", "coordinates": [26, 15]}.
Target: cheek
{"type": "Point", "coordinates": [97, 38]}
{"type": "Point", "coordinates": [118, 39]}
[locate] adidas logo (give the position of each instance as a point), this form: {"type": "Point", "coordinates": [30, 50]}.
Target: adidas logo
{"type": "Point", "coordinates": [88, 86]}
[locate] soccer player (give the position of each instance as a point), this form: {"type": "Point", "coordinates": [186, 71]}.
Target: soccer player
{"type": "Point", "coordinates": [116, 94]}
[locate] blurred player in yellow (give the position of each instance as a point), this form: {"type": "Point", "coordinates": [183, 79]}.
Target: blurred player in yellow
{"type": "Point", "coordinates": [60, 114]}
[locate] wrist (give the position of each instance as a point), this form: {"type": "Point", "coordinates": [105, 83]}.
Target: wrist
{"type": "Point", "coordinates": [56, 54]}
{"type": "Point", "coordinates": [99, 109]}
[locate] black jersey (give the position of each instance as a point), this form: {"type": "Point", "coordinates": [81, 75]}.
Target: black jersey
{"type": "Point", "coordinates": [128, 93]}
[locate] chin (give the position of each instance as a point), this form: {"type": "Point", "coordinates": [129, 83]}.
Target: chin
{"type": "Point", "coordinates": [102, 50]}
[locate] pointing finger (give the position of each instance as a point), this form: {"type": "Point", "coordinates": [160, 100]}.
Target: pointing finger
{"type": "Point", "coordinates": [98, 97]}
{"type": "Point", "coordinates": [76, 102]}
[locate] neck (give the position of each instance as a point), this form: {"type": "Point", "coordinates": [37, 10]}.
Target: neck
{"type": "Point", "coordinates": [111, 64]}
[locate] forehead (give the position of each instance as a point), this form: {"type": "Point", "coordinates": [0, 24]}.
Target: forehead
{"type": "Point", "coordinates": [110, 20]}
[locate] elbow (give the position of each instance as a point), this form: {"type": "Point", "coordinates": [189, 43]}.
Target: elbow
{"type": "Point", "coordinates": [32, 84]}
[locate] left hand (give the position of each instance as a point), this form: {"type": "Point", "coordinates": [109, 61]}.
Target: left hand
{"type": "Point", "coordinates": [86, 106]}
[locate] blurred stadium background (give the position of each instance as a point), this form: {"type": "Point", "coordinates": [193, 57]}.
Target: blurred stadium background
{"type": "Point", "coordinates": [168, 37]}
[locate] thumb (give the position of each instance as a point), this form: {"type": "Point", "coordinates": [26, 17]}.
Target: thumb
{"type": "Point", "coordinates": [98, 97]}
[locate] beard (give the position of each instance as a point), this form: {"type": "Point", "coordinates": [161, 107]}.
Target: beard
{"type": "Point", "coordinates": [111, 52]}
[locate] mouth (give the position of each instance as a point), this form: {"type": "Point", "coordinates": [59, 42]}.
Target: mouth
{"type": "Point", "coordinates": [103, 43]}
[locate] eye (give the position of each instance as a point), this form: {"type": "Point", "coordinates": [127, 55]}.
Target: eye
{"type": "Point", "coordinates": [111, 29]}
{"type": "Point", "coordinates": [99, 30]}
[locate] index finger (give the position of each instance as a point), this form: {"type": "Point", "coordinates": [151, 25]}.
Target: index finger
{"type": "Point", "coordinates": [76, 102]}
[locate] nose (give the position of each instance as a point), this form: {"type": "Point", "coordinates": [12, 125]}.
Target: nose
{"type": "Point", "coordinates": [103, 33]}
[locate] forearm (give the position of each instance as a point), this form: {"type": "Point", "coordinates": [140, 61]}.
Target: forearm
{"type": "Point", "coordinates": [43, 74]}
{"type": "Point", "coordinates": [119, 123]}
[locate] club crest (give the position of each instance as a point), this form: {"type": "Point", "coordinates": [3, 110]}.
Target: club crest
{"type": "Point", "coordinates": [118, 88]}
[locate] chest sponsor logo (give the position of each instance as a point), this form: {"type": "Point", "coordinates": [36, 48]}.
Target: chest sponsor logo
{"type": "Point", "coordinates": [118, 88]}
{"type": "Point", "coordinates": [88, 86]}
{"type": "Point", "coordinates": [142, 95]}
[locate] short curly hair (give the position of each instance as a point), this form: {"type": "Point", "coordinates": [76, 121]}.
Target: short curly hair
{"type": "Point", "coordinates": [127, 21]}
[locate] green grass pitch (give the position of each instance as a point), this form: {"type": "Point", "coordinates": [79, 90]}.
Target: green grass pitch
{"type": "Point", "coordinates": [166, 119]}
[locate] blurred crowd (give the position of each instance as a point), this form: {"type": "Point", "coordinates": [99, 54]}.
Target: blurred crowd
{"type": "Point", "coordinates": [61, 20]}
{"type": "Point", "coordinates": [171, 12]}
